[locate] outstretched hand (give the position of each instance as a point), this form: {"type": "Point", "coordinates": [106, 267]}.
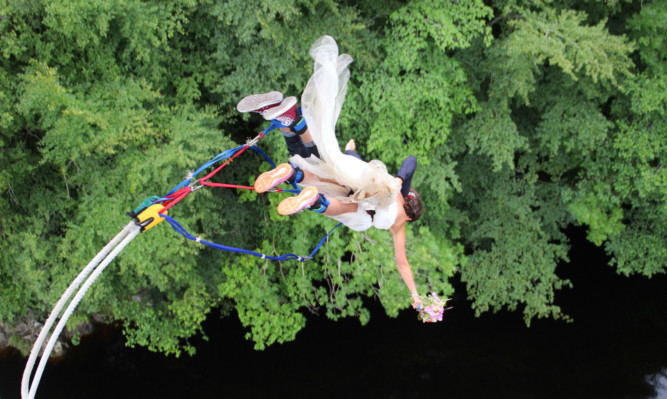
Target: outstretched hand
{"type": "Point", "coordinates": [417, 304]}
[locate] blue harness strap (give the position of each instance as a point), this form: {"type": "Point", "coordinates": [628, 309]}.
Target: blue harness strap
{"type": "Point", "coordinates": [317, 248]}
{"type": "Point", "coordinates": [220, 157]}
{"type": "Point", "coordinates": [181, 230]}
{"type": "Point", "coordinates": [224, 155]}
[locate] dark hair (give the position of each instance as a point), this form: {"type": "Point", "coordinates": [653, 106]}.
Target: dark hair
{"type": "Point", "coordinates": [413, 204]}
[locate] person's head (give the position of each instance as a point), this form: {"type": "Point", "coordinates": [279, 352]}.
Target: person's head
{"type": "Point", "coordinates": [413, 205]}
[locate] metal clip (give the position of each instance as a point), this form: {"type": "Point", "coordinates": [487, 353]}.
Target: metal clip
{"type": "Point", "coordinates": [251, 142]}
{"type": "Point", "coordinates": [194, 188]}
{"type": "Point", "coordinates": [150, 217]}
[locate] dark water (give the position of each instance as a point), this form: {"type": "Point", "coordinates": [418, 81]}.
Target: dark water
{"type": "Point", "coordinates": [615, 348]}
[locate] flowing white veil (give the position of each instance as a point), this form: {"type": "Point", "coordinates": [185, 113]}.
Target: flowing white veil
{"type": "Point", "coordinates": [321, 103]}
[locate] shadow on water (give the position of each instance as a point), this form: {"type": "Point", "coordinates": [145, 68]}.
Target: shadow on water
{"type": "Point", "coordinates": [615, 348]}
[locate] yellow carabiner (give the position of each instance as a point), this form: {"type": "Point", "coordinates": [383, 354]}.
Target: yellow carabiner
{"type": "Point", "coordinates": [150, 217]}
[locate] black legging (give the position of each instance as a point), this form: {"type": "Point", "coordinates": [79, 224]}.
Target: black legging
{"type": "Point", "coordinates": [295, 146]}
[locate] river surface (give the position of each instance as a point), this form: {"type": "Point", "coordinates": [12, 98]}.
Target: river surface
{"type": "Point", "coordinates": [615, 348]}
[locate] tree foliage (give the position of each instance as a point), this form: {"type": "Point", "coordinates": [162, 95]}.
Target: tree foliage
{"type": "Point", "coordinates": [526, 118]}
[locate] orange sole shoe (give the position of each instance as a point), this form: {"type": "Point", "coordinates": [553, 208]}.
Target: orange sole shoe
{"type": "Point", "coordinates": [292, 205]}
{"type": "Point", "coordinates": [268, 180]}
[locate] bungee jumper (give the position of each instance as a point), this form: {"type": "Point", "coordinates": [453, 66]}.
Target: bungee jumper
{"type": "Point", "coordinates": [339, 185]}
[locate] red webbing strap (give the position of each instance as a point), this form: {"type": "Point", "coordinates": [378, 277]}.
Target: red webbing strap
{"type": "Point", "coordinates": [206, 183]}
{"type": "Point", "coordinates": [203, 179]}
{"type": "Point", "coordinates": [176, 197]}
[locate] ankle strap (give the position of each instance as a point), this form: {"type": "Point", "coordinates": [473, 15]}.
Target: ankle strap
{"type": "Point", "coordinates": [321, 204]}
{"type": "Point", "coordinates": [300, 126]}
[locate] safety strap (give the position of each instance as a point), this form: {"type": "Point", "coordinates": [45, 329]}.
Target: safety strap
{"type": "Point", "coordinates": [181, 230]}
{"type": "Point", "coordinates": [189, 185]}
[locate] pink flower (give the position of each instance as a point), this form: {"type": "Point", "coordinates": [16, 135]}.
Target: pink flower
{"type": "Point", "coordinates": [433, 309]}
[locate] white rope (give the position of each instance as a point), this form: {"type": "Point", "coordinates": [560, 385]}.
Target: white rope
{"type": "Point", "coordinates": [106, 255]}
{"type": "Point", "coordinates": [61, 303]}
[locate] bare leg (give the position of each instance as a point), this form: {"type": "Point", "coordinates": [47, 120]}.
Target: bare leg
{"type": "Point", "coordinates": [337, 208]}
{"type": "Point", "coordinates": [309, 178]}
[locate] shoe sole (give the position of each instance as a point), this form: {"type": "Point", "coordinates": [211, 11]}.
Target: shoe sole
{"type": "Point", "coordinates": [275, 112]}
{"type": "Point", "coordinates": [272, 178]}
{"type": "Point", "coordinates": [292, 205]}
{"type": "Point", "coordinates": [259, 101]}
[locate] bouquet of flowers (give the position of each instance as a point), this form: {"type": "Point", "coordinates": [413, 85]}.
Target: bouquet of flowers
{"type": "Point", "coordinates": [432, 309]}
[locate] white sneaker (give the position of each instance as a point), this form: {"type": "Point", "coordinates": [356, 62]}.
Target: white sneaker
{"type": "Point", "coordinates": [259, 102]}
{"type": "Point", "coordinates": [285, 112]}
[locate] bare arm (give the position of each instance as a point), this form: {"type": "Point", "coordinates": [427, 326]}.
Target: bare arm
{"type": "Point", "coordinates": [403, 265]}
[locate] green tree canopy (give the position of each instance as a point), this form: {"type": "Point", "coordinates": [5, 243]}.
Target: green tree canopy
{"type": "Point", "coordinates": [526, 118]}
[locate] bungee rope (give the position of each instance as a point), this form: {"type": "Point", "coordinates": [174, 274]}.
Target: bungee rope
{"type": "Point", "coordinates": [96, 266]}
{"type": "Point", "coordinates": [147, 215]}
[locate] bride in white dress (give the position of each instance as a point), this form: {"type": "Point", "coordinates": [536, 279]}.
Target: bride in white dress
{"type": "Point", "coordinates": [359, 194]}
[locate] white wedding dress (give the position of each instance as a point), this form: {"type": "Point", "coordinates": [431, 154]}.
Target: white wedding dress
{"type": "Point", "coordinates": [367, 184]}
